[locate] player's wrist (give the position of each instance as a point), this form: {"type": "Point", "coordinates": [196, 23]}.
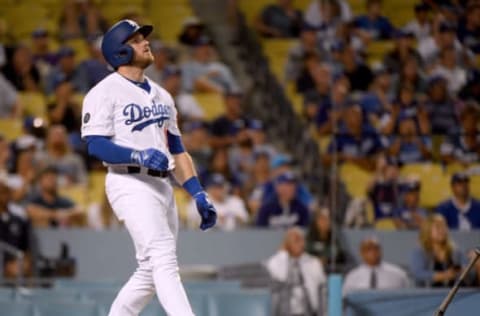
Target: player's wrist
{"type": "Point", "coordinates": [193, 186]}
{"type": "Point", "coordinates": [136, 157]}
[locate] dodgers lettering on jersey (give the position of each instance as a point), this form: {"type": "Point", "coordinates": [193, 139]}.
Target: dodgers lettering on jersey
{"type": "Point", "coordinates": [130, 115]}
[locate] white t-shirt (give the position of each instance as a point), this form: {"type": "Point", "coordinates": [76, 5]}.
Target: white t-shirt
{"type": "Point", "coordinates": [130, 115]}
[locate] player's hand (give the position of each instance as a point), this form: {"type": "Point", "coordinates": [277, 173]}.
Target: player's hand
{"type": "Point", "coordinates": [206, 210]}
{"type": "Point", "coordinates": [150, 158]}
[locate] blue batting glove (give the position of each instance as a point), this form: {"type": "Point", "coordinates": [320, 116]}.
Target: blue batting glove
{"type": "Point", "coordinates": [150, 158]}
{"type": "Point", "coordinates": [206, 210]}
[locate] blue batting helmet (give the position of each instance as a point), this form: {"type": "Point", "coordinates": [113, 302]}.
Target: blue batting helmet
{"type": "Point", "coordinates": [114, 49]}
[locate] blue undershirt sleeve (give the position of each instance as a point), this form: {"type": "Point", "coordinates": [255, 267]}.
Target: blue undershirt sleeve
{"type": "Point", "coordinates": [175, 145]}
{"type": "Point", "coordinates": [104, 149]}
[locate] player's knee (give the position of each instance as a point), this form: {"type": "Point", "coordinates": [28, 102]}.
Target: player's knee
{"type": "Point", "coordinates": [162, 255]}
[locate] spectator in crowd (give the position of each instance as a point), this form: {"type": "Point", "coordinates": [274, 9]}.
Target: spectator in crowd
{"type": "Point", "coordinates": [374, 273]}
{"type": "Point", "coordinates": [81, 19]}
{"type": "Point", "coordinates": [196, 140]}
{"type": "Point", "coordinates": [95, 68]}
{"type": "Point", "coordinates": [231, 210]}
{"type": "Point", "coordinates": [327, 29]}
{"type": "Point", "coordinates": [22, 178]}
{"type": "Point", "coordinates": [5, 156]}
{"type": "Point", "coordinates": [305, 80]}
{"type": "Point", "coordinates": [329, 111]}
{"type": "Point", "coordinates": [279, 19]}
{"type": "Point", "coordinates": [296, 277]}
{"type": "Point", "coordinates": [315, 11]}
{"type": "Point", "coordinates": [461, 211]}
{"type": "Point", "coordinates": [408, 146]}
{"type": "Point", "coordinates": [16, 232]}
{"type": "Point", "coordinates": [285, 210]}
{"type": "Point", "coordinates": [10, 106]}
{"type": "Point", "coordinates": [404, 50]}
{"type": "Point", "coordinates": [66, 70]}
{"type": "Point", "coordinates": [405, 106]}
{"type": "Point", "coordinates": [448, 68]}
{"type": "Point", "coordinates": [241, 156]}
{"type": "Point", "coordinates": [21, 70]}
{"type": "Point", "coordinates": [471, 90]}
{"type": "Point", "coordinates": [358, 73]}
{"type": "Point", "coordinates": [377, 102]}
{"type": "Point", "coordinates": [258, 135]}
{"type": "Point", "coordinates": [64, 110]}
{"type": "Point", "coordinates": [70, 166]}
{"type": "Point", "coordinates": [440, 107]}
{"type": "Point", "coordinates": [384, 190]}
{"type": "Point", "coordinates": [319, 94]}
{"type": "Point", "coordinates": [319, 241]}
{"type": "Point", "coordinates": [204, 74]}
{"type": "Point", "coordinates": [259, 177]}
{"type": "Point", "coordinates": [308, 44]}
{"type": "Point", "coordinates": [188, 108]}
{"type": "Point", "coordinates": [410, 74]}
{"type": "Point", "coordinates": [163, 59]}
{"type": "Point", "coordinates": [437, 262]}
{"type": "Point", "coordinates": [373, 25]}
{"type": "Point", "coordinates": [46, 207]}
{"type": "Point", "coordinates": [469, 29]}
{"type": "Point", "coordinates": [219, 164]}
{"type": "Point", "coordinates": [43, 57]}
{"type": "Point", "coordinates": [192, 30]}
{"type": "Point", "coordinates": [421, 26]}
{"type": "Point", "coordinates": [355, 142]}
{"type": "Point", "coordinates": [464, 148]}
{"type": "Point", "coordinates": [230, 127]}
{"type": "Point", "coordinates": [410, 215]}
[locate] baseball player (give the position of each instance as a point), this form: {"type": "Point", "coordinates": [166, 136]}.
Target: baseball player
{"type": "Point", "coordinates": [130, 123]}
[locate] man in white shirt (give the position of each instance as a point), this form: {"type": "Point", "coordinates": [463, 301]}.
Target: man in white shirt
{"type": "Point", "coordinates": [374, 273]}
{"type": "Point", "coordinates": [297, 277]}
{"type": "Point", "coordinates": [315, 13]}
{"type": "Point", "coordinates": [448, 68]}
{"type": "Point", "coordinates": [231, 210]}
{"type": "Point", "coordinates": [421, 25]}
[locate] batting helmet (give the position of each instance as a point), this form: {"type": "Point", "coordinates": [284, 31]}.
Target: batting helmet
{"type": "Point", "coordinates": [114, 49]}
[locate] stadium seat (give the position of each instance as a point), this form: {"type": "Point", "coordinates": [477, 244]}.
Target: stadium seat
{"type": "Point", "coordinates": [475, 185]}
{"type": "Point", "coordinates": [240, 303]}
{"type": "Point", "coordinates": [213, 104]}
{"type": "Point", "coordinates": [356, 180]}
{"type": "Point", "coordinates": [64, 309]}
{"type": "Point", "coordinates": [80, 47]}
{"type": "Point", "coordinates": [295, 98]}
{"type": "Point", "coordinates": [96, 186]}
{"type": "Point", "coordinates": [435, 183]}
{"type": "Point", "coordinates": [11, 128]}
{"type": "Point", "coordinates": [377, 50]}
{"type": "Point", "coordinates": [385, 224]}
{"type": "Point", "coordinates": [34, 104]}
{"type": "Point", "coordinates": [16, 309]}
{"type": "Point", "coordinates": [323, 141]}
{"type": "Point", "coordinates": [77, 193]}
{"type": "Point", "coordinates": [277, 51]}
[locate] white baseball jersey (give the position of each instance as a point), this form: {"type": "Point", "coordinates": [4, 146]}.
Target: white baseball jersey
{"type": "Point", "coordinates": [130, 115]}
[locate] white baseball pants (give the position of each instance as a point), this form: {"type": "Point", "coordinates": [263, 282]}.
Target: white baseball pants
{"type": "Point", "coordinates": [147, 207]}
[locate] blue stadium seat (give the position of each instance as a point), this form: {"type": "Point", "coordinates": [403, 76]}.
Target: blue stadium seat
{"type": "Point", "coordinates": [16, 309]}
{"type": "Point", "coordinates": [70, 309]}
{"type": "Point", "coordinates": [240, 303]}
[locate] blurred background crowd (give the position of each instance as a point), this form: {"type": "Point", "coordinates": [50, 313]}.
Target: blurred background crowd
{"type": "Point", "coordinates": [389, 91]}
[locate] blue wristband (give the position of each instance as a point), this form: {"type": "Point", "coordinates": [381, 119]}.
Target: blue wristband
{"type": "Point", "coordinates": [192, 186]}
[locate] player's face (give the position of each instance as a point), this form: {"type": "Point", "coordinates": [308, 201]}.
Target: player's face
{"type": "Point", "coordinates": [142, 56]}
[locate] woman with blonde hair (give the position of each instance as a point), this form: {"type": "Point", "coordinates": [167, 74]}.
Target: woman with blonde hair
{"type": "Point", "coordinates": [437, 262]}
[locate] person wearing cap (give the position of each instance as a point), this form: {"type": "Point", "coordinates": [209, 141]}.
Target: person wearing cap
{"type": "Point", "coordinates": [284, 210]}
{"type": "Point", "coordinates": [320, 92]}
{"type": "Point", "coordinates": [410, 215]}
{"type": "Point", "coordinates": [196, 141]}
{"type": "Point", "coordinates": [463, 147]}
{"type": "Point", "coordinates": [94, 68]}
{"type": "Point", "coordinates": [448, 68]}
{"type": "Point", "coordinates": [21, 71]}
{"type": "Point", "coordinates": [408, 146]}
{"type": "Point", "coordinates": [279, 19]}
{"type": "Point", "coordinates": [63, 109]}
{"type": "Point", "coordinates": [421, 26]}
{"type": "Point", "coordinates": [231, 209]}
{"type": "Point", "coordinates": [192, 30]}
{"type": "Point", "coordinates": [46, 207]}
{"type": "Point", "coordinates": [354, 142]}
{"type": "Point", "coordinates": [469, 28]}
{"type": "Point", "coordinates": [16, 232]}
{"type": "Point", "coordinates": [440, 106]}
{"type": "Point", "coordinates": [187, 105]}
{"type": "Point", "coordinates": [296, 277]}
{"type": "Point", "coordinates": [202, 73]}
{"type": "Point", "coordinates": [374, 273]}
{"type": "Point", "coordinates": [258, 135]}
{"type": "Point", "coordinates": [43, 57]}
{"type": "Point", "coordinates": [461, 211]}
{"type": "Point", "coordinates": [66, 69]}
{"type": "Point", "coordinates": [403, 50]}
{"type": "Point", "coordinates": [373, 25]}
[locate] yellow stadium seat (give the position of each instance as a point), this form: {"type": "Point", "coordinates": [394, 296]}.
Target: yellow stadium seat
{"type": "Point", "coordinates": [455, 167]}
{"type": "Point", "coordinates": [114, 12]}
{"type": "Point", "coordinates": [182, 200]}
{"type": "Point", "coordinates": [252, 8]}
{"type": "Point", "coordinates": [213, 104]}
{"type": "Point", "coordinates": [96, 186]}
{"type": "Point", "coordinates": [385, 224]}
{"type": "Point", "coordinates": [81, 49]}
{"type": "Point", "coordinates": [357, 6]}
{"type": "Point", "coordinates": [356, 180]}
{"type": "Point", "coordinates": [323, 141]}
{"type": "Point", "coordinates": [24, 18]}
{"type": "Point", "coordinates": [76, 193]}
{"type": "Point", "coordinates": [34, 104]}
{"type": "Point", "coordinates": [435, 183]}
{"type": "Point", "coordinates": [377, 50]}
{"type": "Point", "coordinates": [277, 51]}
{"type": "Point", "coordinates": [477, 58]}
{"type": "Point", "coordinates": [475, 185]}
{"type": "Point", "coordinates": [295, 98]}
{"type": "Point", "coordinates": [11, 128]}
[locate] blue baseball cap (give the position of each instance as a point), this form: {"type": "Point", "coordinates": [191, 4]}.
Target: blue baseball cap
{"type": "Point", "coordinates": [256, 125]}
{"type": "Point", "coordinates": [286, 177]}
{"type": "Point", "coordinates": [459, 177]}
{"type": "Point", "coordinates": [65, 51]}
{"type": "Point", "coordinates": [40, 32]}
{"type": "Point", "coordinates": [216, 179]}
{"type": "Point", "coordinates": [280, 160]}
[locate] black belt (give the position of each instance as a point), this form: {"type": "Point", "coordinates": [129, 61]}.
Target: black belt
{"type": "Point", "coordinates": [150, 172]}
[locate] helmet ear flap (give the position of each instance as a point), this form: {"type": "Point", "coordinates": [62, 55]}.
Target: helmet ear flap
{"type": "Point", "coordinates": [124, 55]}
